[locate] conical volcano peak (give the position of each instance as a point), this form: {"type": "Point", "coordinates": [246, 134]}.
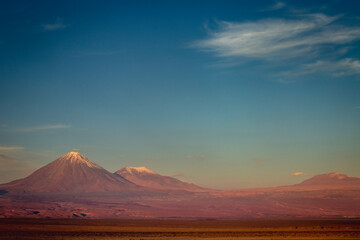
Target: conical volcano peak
{"type": "Point", "coordinates": [77, 158]}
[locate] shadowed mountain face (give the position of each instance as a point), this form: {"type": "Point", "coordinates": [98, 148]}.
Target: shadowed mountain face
{"type": "Point", "coordinates": [70, 173]}
{"type": "Point", "coordinates": [143, 176]}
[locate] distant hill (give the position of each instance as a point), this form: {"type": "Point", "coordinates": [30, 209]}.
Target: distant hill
{"type": "Point", "coordinates": [332, 180]}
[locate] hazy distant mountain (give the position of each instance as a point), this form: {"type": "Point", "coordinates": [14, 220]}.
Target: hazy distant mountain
{"type": "Point", "coordinates": [70, 173]}
{"type": "Point", "coordinates": [143, 176]}
{"type": "Point", "coordinates": [333, 180]}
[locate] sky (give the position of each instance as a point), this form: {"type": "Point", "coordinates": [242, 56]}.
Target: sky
{"type": "Point", "coordinates": [223, 94]}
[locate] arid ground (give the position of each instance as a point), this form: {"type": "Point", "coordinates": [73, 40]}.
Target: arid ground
{"type": "Point", "coordinates": [178, 229]}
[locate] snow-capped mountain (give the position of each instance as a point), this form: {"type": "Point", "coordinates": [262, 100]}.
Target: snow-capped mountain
{"type": "Point", "coordinates": [143, 176]}
{"type": "Point", "coordinates": [70, 173]}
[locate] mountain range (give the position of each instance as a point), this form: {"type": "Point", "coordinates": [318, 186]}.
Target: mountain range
{"type": "Point", "coordinates": [74, 173]}
{"type": "Point", "coordinates": [74, 186]}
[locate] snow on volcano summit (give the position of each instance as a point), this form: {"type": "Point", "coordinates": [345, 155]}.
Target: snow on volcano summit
{"type": "Point", "coordinates": [77, 158]}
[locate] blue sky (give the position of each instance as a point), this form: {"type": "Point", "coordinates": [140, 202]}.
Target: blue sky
{"type": "Point", "coordinates": [225, 94]}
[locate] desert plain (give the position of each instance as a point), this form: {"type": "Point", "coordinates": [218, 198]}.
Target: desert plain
{"type": "Point", "coordinates": [164, 229]}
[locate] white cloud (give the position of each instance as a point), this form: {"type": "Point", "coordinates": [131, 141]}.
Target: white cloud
{"type": "Point", "coordinates": [2, 148]}
{"type": "Point", "coordinates": [306, 44]}
{"type": "Point", "coordinates": [277, 38]}
{"type": "Point", "coordinates": [41, 128]}
{"type": "Point", "coordinates": [299, 174]}
{"type": "Point", "coordinates": [54, 26]}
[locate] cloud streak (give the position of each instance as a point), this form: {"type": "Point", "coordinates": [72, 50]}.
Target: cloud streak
{"type": "Point", "coordinates": [42, 128]}
{"type": "Point", "coordinates": [299, 174]}
{"type": "Point", "coordinates": [2, 148]}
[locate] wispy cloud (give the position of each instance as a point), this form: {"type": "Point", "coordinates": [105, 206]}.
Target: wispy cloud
{"type": "Point", "coordinates": [41, 128]}
{"type": "Point", "coordinates": [57, 25]}
{"type": "Point", "coordinates": [299, 174]}
{"type": "Point", "coordinates": [2, 148]}
{"type": "Point", "coordinates": [347, 66]}
{"type": "Point", "coordinates": [273, 38]}
{"type": "Point", "coordinates": [339, 68]}
{"type": "Point", "coordinates": [306, 40]}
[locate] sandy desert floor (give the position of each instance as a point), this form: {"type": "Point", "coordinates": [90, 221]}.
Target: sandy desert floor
{"type": "Point", "coordinates": [178, 229]}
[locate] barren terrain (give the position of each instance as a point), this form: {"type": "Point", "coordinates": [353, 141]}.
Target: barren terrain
{"type": "Point", "coordinates": [177, 229]}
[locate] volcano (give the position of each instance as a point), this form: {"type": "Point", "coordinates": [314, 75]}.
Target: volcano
{"type": "Point", "coordinates": [145, 177]}
{"type": "Point", "coordinates": [70, 173]}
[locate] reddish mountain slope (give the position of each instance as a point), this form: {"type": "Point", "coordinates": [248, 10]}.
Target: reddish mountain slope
{"type": "Point", "coordinates": [143, 176]}
{"type": "Point", "coordinates": [70, 173]}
